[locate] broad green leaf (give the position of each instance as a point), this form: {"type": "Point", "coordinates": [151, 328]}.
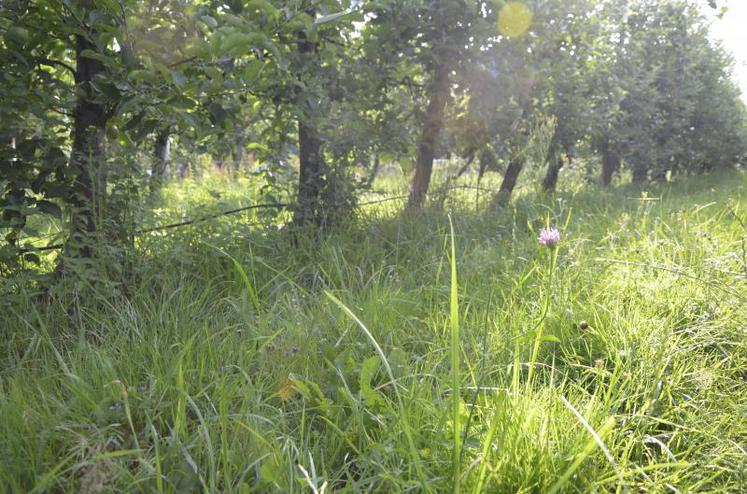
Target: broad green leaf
{"type": "Point", "coordinates": [105, 59]}
{"type": "Point", "coordinates": [17, 35]}
{"type": "Point", "coordinates": [181, 102]}
{"type": "Point", "coordinates": [237, 44]}
{"type": "Point", "coordinates": [368, 370]}
{"type": "Point", "coordinates": [263, 6]}
{"type": "Point", "coordinates": [252, 71]}
{"type": "Point", "coordinates": [271, 472]}
{"type": "Point", "coordinates": [142, 75]}
{"type": "Point", "coordinates": [209, 21]}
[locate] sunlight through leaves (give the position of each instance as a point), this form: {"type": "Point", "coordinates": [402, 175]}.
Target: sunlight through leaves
{"type": "Point", "coordinates": [514, 19]}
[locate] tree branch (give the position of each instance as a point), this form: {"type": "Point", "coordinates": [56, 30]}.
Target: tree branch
{"type": "Point", "coordinates": [182, 62]}
{"type": "Point", "coordinates": [55, 63]}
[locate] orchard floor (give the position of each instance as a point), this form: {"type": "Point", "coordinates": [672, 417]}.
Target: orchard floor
{"type": "Point", "coordinates": [238, 359]}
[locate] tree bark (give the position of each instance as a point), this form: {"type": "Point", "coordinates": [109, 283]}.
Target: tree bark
{"type": "Point", "coordinates": [161, 153]}
{"type": "Point", "coordinates": [238, 154]}
{"type": "Point", "coordinates": [87, 160]}
{"type": "Point", "coordinates": [312, 174]}
{"type": "Point", "coordinates": [470, 157]}
{"type": "Point", "coordinates": [433, 125]}
{"type": "Point", "coordinates": [374, 170]}
{"type": "Point", "coordinates": [550, 182]}
{"type": "Point", "coordinates": [640, 174]}
{"type": "Point", "coordinates": [610, 162]}
{"type": "Point", "coordinates": [312, 167]}
{"type": "Point", "coordinates": [509, 182]}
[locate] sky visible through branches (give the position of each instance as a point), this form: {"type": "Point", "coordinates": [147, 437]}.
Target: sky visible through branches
{"type": "Point", "coordinates": [731, 29]}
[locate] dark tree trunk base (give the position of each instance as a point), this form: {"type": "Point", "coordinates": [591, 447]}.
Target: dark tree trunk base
{"type": "Point", "coordinates": [639, 175]}
{"type": "Point", "coordinates": [550, 182]}
{"type": "Point", "coordinates": [610, 163]}
{"type": "Point", "coordinates": [509, 183]}
{"type": "Point", "coordinates": [374, 171]}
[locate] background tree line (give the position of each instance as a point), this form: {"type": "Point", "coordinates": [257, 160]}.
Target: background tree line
{"type": "Point", "coordinates": [99, 94]}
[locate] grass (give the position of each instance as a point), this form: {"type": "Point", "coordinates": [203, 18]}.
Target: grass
{"type": "Point", "coordinates": [385, 358]}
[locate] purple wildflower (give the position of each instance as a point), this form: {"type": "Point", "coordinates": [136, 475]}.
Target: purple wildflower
{"type": "Point", "coordinates": [549, 237]}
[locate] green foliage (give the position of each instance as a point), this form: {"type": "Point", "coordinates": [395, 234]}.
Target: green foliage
{"type": "Point", "coordinates": [672, 108]}
{"type": "Point", "coordinates": [239, 355]}
{"type": "Point", "coordinates": [32, 126]}
{"type": "Point", "coordinates": [661, 120]}
{"type": "Point", "coordinates": [637, 81]}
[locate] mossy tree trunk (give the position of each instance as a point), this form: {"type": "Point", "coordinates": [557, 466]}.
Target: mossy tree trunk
{"type": "Point", "coordinates": [87, 158]}
{"type": "Point", "coordinates": [312, 166]}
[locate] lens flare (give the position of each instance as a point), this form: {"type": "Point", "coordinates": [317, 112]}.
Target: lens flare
{"type": "Point", "coordinates": [514, 19]}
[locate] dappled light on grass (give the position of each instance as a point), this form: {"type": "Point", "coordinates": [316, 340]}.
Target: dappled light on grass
{"type": "Point", "coordinates": [370, 246]}
{"type": "Point", "coordinates": [609, 362]}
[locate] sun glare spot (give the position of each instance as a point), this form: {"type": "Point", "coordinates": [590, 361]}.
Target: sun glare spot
{"type": "Point", "coordinates": [514, 19]}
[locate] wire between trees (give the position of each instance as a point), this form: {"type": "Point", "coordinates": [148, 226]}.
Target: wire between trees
{"type": "Point", "coordinates": [143, 231]}
{"type": "Point", "coordinates": [272, 205]}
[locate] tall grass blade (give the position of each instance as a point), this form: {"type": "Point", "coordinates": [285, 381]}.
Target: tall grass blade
{"type": "Point", "coordinates": [403, 413]}
{"type": "Point", "coordinates": [454, 355]}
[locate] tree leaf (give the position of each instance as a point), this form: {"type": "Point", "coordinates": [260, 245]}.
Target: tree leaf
{"type": "Point", "coordinates": [49, 208]}
{"type": "Point", "coordinates": [105, 59]}
{"type": "Point", "coordinates": [368, 370]}
{"type": "Point", "coordinates": [179, 79]}
{"type": "Point", "coordinates": [209, 21]}
{"type": "Point", "coordinates": [141, 75]}
{"type": "Point", "coordinates": [181, 102]}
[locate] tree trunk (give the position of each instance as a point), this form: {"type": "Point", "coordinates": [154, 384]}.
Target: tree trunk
{"type": "Point", "coordinates": [161, 153]}
{"type": "Point", "coordinates": [434, 122]}
{"type": "Point", "coordinates": [311, 178]}
{"type": "Point", "coordinates": [550, 182]}
{"type": "Point", "coordinates": [610, 163]}
{"type": "Point", "coordinates": [470, 159]}
{"type": "Point", "coordinates": [640, 174]}
{"type": "Point", "coordinates": [238, 154]}
{"type": "Point", "coordinates": [374, 171]}
{"type": "Point", "coordinates": [87, 160]}
{"type": "Point", "coordinates": [487, 160]}
{"type": "Point", "coordinates": [509, 182]}
{"type": "Point", "coordinates": [312, 167]}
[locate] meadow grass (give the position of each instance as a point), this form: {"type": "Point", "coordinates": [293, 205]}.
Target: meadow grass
{"type": "Point", "coordinates": [397, 353]}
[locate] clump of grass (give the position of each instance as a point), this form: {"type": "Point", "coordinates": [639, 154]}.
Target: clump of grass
{"type": "Point", "coordinates": [240, 362]}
